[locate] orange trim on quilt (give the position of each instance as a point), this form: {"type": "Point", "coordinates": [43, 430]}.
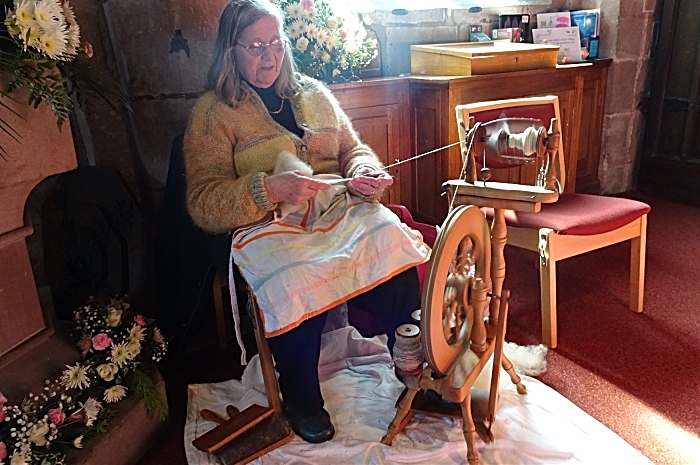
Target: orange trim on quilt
{"type": "Point", "coordinates": [329, 306]}
{"type": "Point", "coordinates": [272, 233]}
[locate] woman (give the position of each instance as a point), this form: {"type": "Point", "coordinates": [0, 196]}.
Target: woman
{"type": "Point", "coordinates": [257, 107]}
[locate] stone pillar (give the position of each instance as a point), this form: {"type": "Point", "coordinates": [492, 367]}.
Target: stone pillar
{"type": "Point", "coordinates": [42, 150]}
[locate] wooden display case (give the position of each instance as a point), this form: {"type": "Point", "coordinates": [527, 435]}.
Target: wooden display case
{"type": "Point", "coordinates": [471, 58]}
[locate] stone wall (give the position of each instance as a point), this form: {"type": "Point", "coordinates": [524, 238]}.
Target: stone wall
{"type": "Point", "coordinates": [164, 46]}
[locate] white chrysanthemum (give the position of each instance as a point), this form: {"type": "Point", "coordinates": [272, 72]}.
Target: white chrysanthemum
{"type": "Point", "coordinates": [293, 10]}
{"type": "Point", "coordinates": [312, 31]}
{"type": "Point", "coordinates": [73, 39]}
{"type": "Point", "coordinates": [24, 13]}
{"type": "Point", "coordinates": [294, 29]}
{"type": "Point", "coordinates": [48, 14]}
{"type": "Point", "coordinates": [120, 354]}
{"type": "Point", "coordinates": [75, 377]}
{"type": "Point", "coordinates": [31, 33]}
{"type": "Point", "coordinates": [332, 42]}
{"type": "Point", "coordinates": [115, 393]}
{"type": "Point", "coordinates": [302, 43]}
{"type": "Point", "coordinates": [53, 43]}
{"type": "Point", "coordinates": [91, 408]}
{"type": "Point", "coordinates": [137, 333]}
{"type": "Point", "coordinates": [68, 13]}
{"type": "Point", "coordinates": [310, 14]}
{"type": "Point", "coordinates": [78, 442]}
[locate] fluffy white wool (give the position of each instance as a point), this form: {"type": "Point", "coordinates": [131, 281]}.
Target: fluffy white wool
{"type": "Point", "coordinates": [527, 360]}
{"type": "Point", "coordinates": [287, 161]}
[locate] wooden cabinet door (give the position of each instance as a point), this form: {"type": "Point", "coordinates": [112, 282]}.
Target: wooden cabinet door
{"type": "Point", "coordinates": [378, 127]}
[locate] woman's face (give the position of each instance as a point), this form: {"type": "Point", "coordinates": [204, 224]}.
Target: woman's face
{"type": "Point", "coordinates": [261, 71]}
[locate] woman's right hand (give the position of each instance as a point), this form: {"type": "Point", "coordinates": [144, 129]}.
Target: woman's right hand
{"type": "Point", "coordinates": [292, 187]}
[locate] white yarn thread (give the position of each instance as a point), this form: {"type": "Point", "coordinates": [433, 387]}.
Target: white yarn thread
{"type": "Point", "coordinates": [408, 351]}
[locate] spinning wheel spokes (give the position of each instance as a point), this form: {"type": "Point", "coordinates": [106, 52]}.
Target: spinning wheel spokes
{"type": "Point", "coordinates": [460, 263]}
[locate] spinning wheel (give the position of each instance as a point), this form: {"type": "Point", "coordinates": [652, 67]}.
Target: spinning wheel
{"type": "Point", "coordinates": [467, 261]}
{"type": "Point", "coordinates": [455, 288]}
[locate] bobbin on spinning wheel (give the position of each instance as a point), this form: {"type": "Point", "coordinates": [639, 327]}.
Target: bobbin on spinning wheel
{"type": "Point", "coordinates": [456, 281]}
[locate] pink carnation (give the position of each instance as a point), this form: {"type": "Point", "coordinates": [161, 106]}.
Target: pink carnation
{"type": "Point", "coordinates": [308, 5]}
{"type": "Point", "coordinates": [77, 416]}
{"type": "Point", "coordinates": [139, 320]}
{"type": "Point", "coordinates": [3, 451]}
{"type": "Point", "coordinates": [343, 34]}
{"type": "Point", "coordinates": [56, 416]}
{"type": "Point", "coordinates": [101, 341]}
{"type": "Point", "coordinates": [3, 400]}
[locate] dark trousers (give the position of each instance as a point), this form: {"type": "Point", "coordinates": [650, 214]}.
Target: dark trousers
{"type": "Point", "coordinates": [296, 352]}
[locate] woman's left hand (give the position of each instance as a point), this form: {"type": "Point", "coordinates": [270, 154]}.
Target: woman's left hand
{"type": "Point", "coordinates": [367, 181]}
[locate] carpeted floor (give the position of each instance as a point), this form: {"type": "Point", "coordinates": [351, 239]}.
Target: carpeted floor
{"type": "Point", "coordinates": [635, 373]}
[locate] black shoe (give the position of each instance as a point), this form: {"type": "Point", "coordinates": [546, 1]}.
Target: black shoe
{"type": "Point", "coordinates": [436, 399]}
{"type": "Point", "coordinates": [313, 427]}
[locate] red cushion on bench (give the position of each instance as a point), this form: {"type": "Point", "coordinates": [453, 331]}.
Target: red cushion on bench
{"type": "Point", "coordinates": [578, 214]}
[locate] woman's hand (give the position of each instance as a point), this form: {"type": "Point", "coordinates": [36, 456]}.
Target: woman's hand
{"type": "Point", "coordinates": [292, 187]}
{"type": "Point", "coordinates": [368, 181]}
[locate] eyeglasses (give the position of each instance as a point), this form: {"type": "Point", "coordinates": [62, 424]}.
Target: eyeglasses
{"type": "Point", "coordinates": [256, 49]}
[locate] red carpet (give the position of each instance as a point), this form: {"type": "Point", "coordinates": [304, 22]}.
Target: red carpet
{"type": "Point", "coordinates": [639, 374]}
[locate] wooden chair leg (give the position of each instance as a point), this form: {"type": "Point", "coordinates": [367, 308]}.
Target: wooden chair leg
{"type": "Point", "coordinates": [220, 281]}
{"type": "Point", "coordinates": [637, 267]}
{"type": "Point", "coordinates": [548, 288]}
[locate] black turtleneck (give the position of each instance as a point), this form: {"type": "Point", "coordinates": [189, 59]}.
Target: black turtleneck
{"type": "Point", "coordinates": [273, 102]}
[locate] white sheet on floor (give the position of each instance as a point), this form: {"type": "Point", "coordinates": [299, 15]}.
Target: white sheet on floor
{"type": "Point", "coordinates": [360, 390]}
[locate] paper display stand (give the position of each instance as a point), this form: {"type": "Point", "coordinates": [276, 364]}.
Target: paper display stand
{"type": "Point", "coordinates": [567, 38]}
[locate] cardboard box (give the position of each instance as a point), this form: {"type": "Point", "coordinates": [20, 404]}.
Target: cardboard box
{"type": "Point", "coordinates": [470, 58]}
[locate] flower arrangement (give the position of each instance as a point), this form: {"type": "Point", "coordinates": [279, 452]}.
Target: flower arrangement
{"type": "Point", "coordinates": [70, 409]}
{"type": "Point", "coordinates": [40, 51]}
{"type": "Point", "coordinates": [329, 42]}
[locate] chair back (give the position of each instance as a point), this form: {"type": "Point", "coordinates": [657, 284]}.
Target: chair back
{"type": "Point", "coordinates": [543, 109]}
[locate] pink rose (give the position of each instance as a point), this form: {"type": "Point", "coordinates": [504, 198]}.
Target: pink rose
{"type": "Point", "coordinates": [101, 341]}
{"type": "Point", "coordinates": [3, 451]}
{"type": "Point", "coordinates": [86, 344]}
{"type": "Point", "coordinates": [343, 34]}
{"type": "Point", "coordinates": [308, 5]}
{"type": "Point", "coordinates": [139, 320]}
{"type": "Point", "coordinates": [2, 416]}
{"type": "Point", "coordinates": [3, 400]}
{"type": "Point", "coordinates": [56, 416]}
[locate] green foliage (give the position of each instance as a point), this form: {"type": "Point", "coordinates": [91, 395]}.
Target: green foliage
{"type": "Point", "coordinates": [143, 388]}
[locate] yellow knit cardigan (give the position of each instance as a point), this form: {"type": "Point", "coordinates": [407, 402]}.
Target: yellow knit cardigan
{"type": "Point", "coordinates": [224, 147]}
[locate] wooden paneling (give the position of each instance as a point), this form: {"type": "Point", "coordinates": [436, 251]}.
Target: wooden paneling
{"type": "Point", "coordinates": [377, 110]}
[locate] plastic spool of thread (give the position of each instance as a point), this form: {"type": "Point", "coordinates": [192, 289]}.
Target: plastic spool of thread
{"type": "Point", "coordinates": [408, 351]}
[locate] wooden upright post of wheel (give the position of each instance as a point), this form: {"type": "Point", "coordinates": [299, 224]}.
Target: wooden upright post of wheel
{"type": "Point", "coordinates": [498, 263]}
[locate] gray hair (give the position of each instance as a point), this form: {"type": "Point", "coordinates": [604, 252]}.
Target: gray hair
{"type": "Point", "coordinates": [224, 77]}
